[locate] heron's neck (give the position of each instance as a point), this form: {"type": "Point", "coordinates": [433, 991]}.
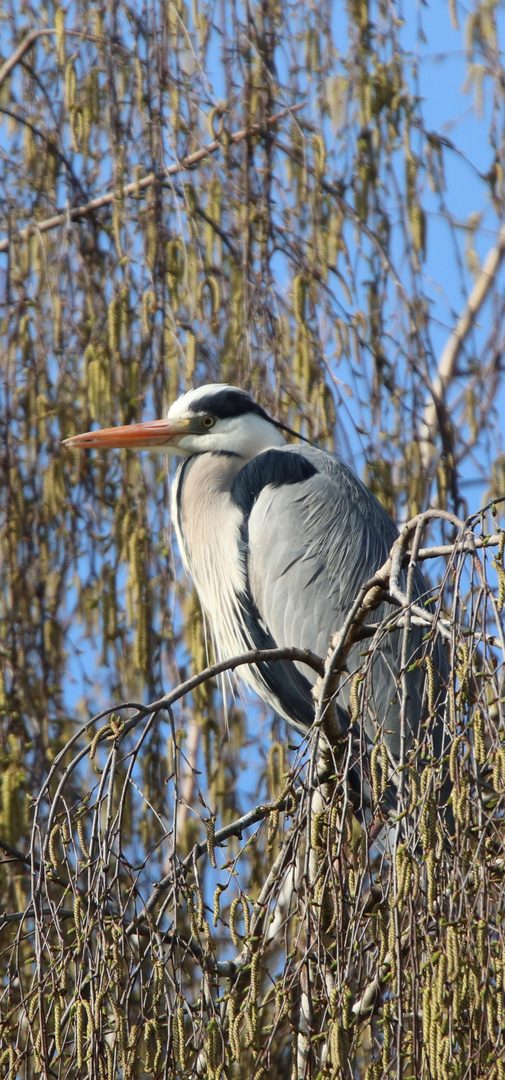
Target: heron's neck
{"type": "Point", "coordinates": [207, 523]}
{"type": "Point", "coordinates": [202, 508]}
{"type": "Point", "coordinates": [203, 477]}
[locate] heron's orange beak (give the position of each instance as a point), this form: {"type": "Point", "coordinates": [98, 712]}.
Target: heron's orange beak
{"type": "Point", "coordinates": [146, 436]}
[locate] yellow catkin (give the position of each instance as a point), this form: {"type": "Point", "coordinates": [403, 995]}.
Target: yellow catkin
{"type": "Point", "coordinates": [478, 736]}
{"type": "Point", "coordinates": [192, 915]}
{"type": "Point", "coordinates": [233, 1027]}
{"type": "Point", "coordinates": [403, 874]}
{"type": "Point", "coordinates": [273, 827]}
{"type": "Point", "coordinates": [85, 117]}
{"type": "Point", "coordinates": [55, 832]}
{"type": "Point", "coordinates": [276, 768]}
{"type": "Point", "coordinates": [97, 738]}
{"type": "Point", "coordinates": [93, 94]}
{"type": "Point", "coordinates": [413, 789]}
{"type": "Point", "coordinates": [374, 772]}
{"type": "Point", "coordinates": [59, 26]}
{"type": "Point", "coordinates": [151, 241]}
{"type": "Point", "coordinates": [338, 1046]}
{"type": "Point", "coordinates": [180, 1045]}
{"type": "Point", "coordinates": [491, 1010]}
{"type": "Point", "coordinates": [148, 309]}
{"type": "Point", "coordinates": [114, 324]}
{"type": "Point", "coordinates": [440, 981]}
{"type": "Point", "coordinates": [299, 294]}
{"type": "Point", "coordinates": [150, 1027]}
{"type": "Point", "coordinates": [212, 1047]}
{"type": "Point", "coordinates": [117, 222]}
{"type": "Point", "coordinates": [418, 228]}
{"type": "Point", "coordinates": [500, 1003]}
{"type": "Point", "coordinates": [159, 1043]}
{"type": "Point", "coordinates": [139, 83]}
{"type": "Point", "coordinates": [174, 267]}
{"type": "Point", "coordinates": [216, 114]}
{"type": "Point", "coordinates": [57, 1023]}
{"type": "Point", "coordinates": [79, 1033]}
{"type": "Point", "coordinates": [461, 801]}
{"type": "Point", "coordinates": [136, 559]}
{"type": "Point", "coordinates": [462, 669]}
{"type": "Point", "coordinates": [392, 947]}
{"type": "Point", "coordinates": [232, 920]}
{"type": "Point", "coordinates": [190, 356]}
{"type": "Point", "coordinates": [12, 1055]}
{"type": "Point", "coordinates": [498, 564]}
{"type": "Point", "coordinates": [481, 940]}
{"type": "Point", "coordinates": [216, 904]}
{"type": "Point", "coordinates": [159, 980]}
{"type": "Point", "coordinates": [215, 295]}
{"type": "Point", "coordinates": [431, 884]}
{"type": "Point", "coordinates": [31, 157]}
{"type": "Point", "coordinates": [454, 758]}
{"type": "Point", "coordinates": [384, 768]}
{"type": "Point", "coordinates": [453, 957]}
{"type": "Point", "coordinates": [251, 1023]}
{"type": "Point", "coordinates": [255, 974]}
{"type": "Point", "coordinates": [78, 915]}
{"type": "Point", "coordinates": [354, 701]}
{"type": "Point", "coordinates": [499, 771]}
{"type": "Point", "coordinates": [431, 685]}
{"type": "Point", "coordinates": [247, 916]}
{"type": "Point", "coordinates": [429, 814]}
{"type": "Point", "coordinates": [319, 831]}
{"type": "Point", "coordinates": [99, 1000]}
{"type": "Point", "coordinates": [37, 1048]}
{"type": "Point", "coordinates": [70, 86]}
{"type": "Point", "coordinates": [319, 155]}
{"type": "Point", "coordinates": [387, 1036]}
{"type": "Point", "coordinates": [148, 1059]}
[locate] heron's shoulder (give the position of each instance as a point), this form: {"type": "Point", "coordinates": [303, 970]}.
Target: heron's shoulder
{"type": "Point", "coordinates": [280, 467]}
{"type": "Point", "coordinates": [332, 473]}
{"type": "Point", "coordinates": [283, 466]}
{"type": "Point", "coordinates": [328, 483]}
{"type": "Point", "coordinates": [273, 468]}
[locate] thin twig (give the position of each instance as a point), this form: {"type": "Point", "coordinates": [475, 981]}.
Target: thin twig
{"type": "Point", "coordinates": [75, 213]}
{"type": "Point", "coordinates": [235, 828]}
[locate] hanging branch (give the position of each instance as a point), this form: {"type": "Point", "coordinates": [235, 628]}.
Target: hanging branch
{"type": "Point", "coordinates": [75, 213]}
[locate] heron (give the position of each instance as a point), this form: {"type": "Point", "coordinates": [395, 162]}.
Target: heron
{"type": "Point", "coordinates": [278, 538]}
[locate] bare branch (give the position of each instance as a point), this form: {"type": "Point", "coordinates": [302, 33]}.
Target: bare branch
{"type": "Point", "coordinates": [449, 359]}
{"type": "Point", "coordinates": [75, 213]}
{"type": "Point", "coordinates": [442, 550]}
{"type": "Point", "coordinates": [26, 44]}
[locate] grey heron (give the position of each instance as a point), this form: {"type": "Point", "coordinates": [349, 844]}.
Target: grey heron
{"type": "Point", "coordinates": [278, 539]}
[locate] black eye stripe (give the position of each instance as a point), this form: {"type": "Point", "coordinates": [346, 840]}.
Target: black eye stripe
{"type": "Point", "coordinates": [226, 404]}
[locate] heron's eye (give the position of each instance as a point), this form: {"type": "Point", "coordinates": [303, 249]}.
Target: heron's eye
{"type": "Point", "coordinates": [208, 421]}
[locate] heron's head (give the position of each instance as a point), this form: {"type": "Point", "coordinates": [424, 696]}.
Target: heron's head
{"type": "Point", "coordinates": [214, 418]}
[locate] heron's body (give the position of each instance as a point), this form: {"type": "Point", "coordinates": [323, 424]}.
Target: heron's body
{"type": "Point", "coordinates": [278, 540]}
{"type": "Point", "coordinates": [278, 550]}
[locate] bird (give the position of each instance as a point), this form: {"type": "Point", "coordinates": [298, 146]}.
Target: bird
{"type": "Point", "coordinates": [278, 538]}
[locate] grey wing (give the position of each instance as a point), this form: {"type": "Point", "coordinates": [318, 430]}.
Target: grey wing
{"type": "Point", "coordinates": [311, 545]}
